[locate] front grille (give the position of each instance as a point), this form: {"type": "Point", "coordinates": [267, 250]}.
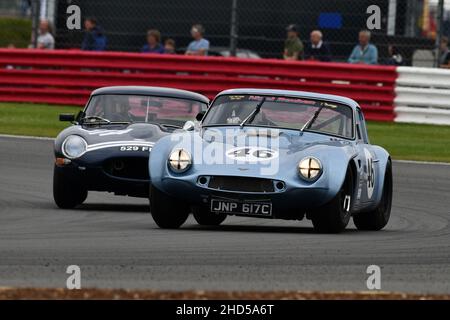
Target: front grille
{"type": "Point", "coordinates": [242, 184]}
{"type": "Point", "coordinates": [129, 168]}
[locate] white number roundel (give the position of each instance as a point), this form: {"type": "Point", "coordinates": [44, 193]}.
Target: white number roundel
{"type": "Point", "coordinates": [252, 154]}
{"type": "Point", "coordinates": [370, 173]}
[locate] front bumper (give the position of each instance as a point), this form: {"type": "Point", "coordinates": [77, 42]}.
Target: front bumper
{"type": "Point", "coordinates": [95, 178]}
{"type": "Point", "coordinates": [290, 203]}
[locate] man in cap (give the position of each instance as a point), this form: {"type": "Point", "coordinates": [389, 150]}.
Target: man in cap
{"type": "Point", "coordinates": [293, 46]}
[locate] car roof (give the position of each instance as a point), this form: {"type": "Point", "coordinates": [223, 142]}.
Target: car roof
{"type": "Point", "coordinates": [291, 93]}
{"type": "Point", "coordinates": [153, 91]}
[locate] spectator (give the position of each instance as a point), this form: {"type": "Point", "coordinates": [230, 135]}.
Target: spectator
{"type": "Point", "coordinates": [293, 46]}
{"type": "Point", "coordinates": [169, 46]}
{"type": "Point", "coordinates": [395, 58]}
{"type": "Point", "coordinates": [153, 42]}
{"type": "Point", "coordinates": [25, 8]}
{"type": "Point", "coordinates": [45, 39]}
{"type": "Point", "coordinates": [444, 59]}
{"type": "Point", "coordinates": [94, 38]}
{"type": "Point", "coordinates": [364, 52]}
{"type": "Point", "coordinates": [200, 46]}
{"type": "Point", "coordinates": [317, 49]}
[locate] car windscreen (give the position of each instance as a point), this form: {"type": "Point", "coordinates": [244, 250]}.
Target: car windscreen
{"type": "Point", "coordinates": [141, 108]}
{"type": "Point", "coordinates": [282, 112]}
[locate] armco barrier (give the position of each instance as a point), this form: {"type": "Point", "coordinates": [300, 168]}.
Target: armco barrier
{"type": "Point", "coordinates": [423, 95]}
{"type": "Point", "coordinates": [67, 77]}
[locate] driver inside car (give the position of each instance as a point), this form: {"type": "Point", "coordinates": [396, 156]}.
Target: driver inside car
{"type": "Point", "coordinates": [118, 110]}
{"type": "Point", "coordinates": [238, 114]}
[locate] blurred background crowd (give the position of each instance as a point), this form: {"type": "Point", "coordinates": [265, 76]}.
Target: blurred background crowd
{"type": "Point", "coordinates": [413, 32]}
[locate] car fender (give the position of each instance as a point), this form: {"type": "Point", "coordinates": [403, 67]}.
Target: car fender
{"type": "Point", "coordinates": [335, 162]}
{"type": "Point", "coordinates": [158, 159]}
{"type": "Point", "coordinates": [382, 157]}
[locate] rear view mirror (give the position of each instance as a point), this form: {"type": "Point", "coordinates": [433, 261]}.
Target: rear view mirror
{"type": "Point", "coordinates": [200, 116]}
{"type": "Point", "coordinates": [151, 103]}
{"type": "Point", "coordinates": [67, 117]}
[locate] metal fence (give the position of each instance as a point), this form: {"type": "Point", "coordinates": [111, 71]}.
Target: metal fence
{"type": "Point", "coordinates": [258, 25]}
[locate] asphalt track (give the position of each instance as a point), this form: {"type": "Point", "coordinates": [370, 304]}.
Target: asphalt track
{"type": "Point", "coordinates": [117, 245]}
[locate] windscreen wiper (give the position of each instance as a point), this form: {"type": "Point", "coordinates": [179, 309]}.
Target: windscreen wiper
{"type": "Point", "coordinates": [309, 123]}
{"type": "Point", "coordinates": [164, 125]}
{"type": "Point", "coordinates": [98, 118]}
{"type": "Point", "coordinates": [101, 120]}
{"type": "Point", "coordinates": [171, 126]}
{"type": "Point", "coordinates": [252, 115]}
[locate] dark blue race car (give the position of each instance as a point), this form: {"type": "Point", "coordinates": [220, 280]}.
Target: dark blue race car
{"type": "Point", "coordinates": [273, 154]}
{"type": "Point", "coordinates": [107, 147]}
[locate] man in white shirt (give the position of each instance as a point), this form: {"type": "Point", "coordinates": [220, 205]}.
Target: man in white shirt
{"type": "Point", "coordinates": [45, 39]}
{"type": "Point", "coordinates": [317, 49]}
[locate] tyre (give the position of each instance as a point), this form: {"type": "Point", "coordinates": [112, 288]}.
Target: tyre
{"type": "Point", "coordinates": [335, 215]}
{"type": "Point", "coordinates": [205, 217]}
{"type": "Point", "coordinates": [377, 219]}
{"type": "Point", "coordinates": [167, 212]}
{"type": "Point", "coordinates": [67, 193]}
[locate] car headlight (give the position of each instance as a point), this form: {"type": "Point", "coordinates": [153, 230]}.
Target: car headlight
{"type": "Point", "coordinates": [310, 168]}
{"type": "Point", "coordinates": [180, 160]}
{"type": "Point", "coordinates": [74, 147]}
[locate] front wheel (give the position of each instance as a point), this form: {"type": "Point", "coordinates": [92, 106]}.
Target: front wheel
{"type": "Point", "coordinates": [205, 217]}
{"type": "Point", "coordinates": [335, 215]}
{"type": "Point", "coordinates": [167, 212]}
{"type": "Point", "coordinates": [377, 219]}
{"type": "Point", "coordinates": [67, 193]}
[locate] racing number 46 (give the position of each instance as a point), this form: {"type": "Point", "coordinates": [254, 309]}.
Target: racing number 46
{"type": "Point", "coordinates": [370, 174]}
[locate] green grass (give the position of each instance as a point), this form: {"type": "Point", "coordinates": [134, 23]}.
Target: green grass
{"type": "Point", "coordinates": [16, 31]}
{"type": "Point", "coordinates": [403, 141]}
{"type": "Point", "coordinates": [412, 141]}
{"type": "Point", "coordinates": [33, 119]}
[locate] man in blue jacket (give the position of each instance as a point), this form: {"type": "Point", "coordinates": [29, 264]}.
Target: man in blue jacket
{"type": "Point", "coordinates": [364, 52]}
{"type": "Point", "coordinates": [94, 38]}
{"type": "Point", "coordinates": [200, 46]}
{"type": "Point", "coordinates": [153, 42]}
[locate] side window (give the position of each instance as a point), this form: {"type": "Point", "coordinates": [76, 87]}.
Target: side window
{"type": "Point", "coordinates": [362, 127]}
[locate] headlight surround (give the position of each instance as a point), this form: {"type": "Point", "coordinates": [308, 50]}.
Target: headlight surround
{"type": "Point", "coordinates": [74, 147]}
{"type": "Point", "coordinates": [180, 160]}
{"type": "Point", "coordinates": [310, 169]}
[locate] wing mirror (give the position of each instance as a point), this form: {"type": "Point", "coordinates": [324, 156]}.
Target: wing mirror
{"type": "Point", "coordinates": [67, 117]}
{"type": "Point", "coordinates": [189, 126]}
{"type": "Point", "coordinates": [200, 116]}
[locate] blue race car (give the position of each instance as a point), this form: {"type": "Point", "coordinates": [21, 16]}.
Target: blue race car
{"type": "Point", "coordinates": [273, 154]}
{"type": "Point", "coordinates": [107, 147]}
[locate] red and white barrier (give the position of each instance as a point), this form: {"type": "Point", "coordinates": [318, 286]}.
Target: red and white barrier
{"type": "Point", "coordinates": [420, 95]}
{"type": "Point", "coordinates": [67, 77]}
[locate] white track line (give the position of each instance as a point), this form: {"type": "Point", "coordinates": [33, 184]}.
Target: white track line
{"type": "Point", "coordinates": [52, 139]}
{"type": "Point", "coordinates": [26, 137]}
{"type": "Point", "coordinates": [423, 162]}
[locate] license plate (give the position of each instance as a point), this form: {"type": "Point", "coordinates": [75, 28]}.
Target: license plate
{"type": "Point", "coordinates": [236, 207]}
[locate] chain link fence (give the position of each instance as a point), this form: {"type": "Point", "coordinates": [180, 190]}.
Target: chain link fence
{"type": "Point", "coordinates": [258, 27]}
